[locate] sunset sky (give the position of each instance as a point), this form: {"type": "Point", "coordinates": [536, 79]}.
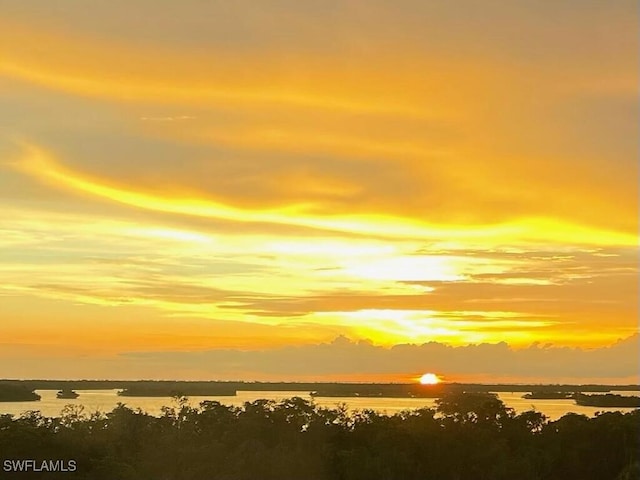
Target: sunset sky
{"type": "Point", "coordinates": [316, 190]}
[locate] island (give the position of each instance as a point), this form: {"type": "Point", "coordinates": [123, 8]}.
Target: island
{"type": "Point", "coordinates": [607, 400]}
{"type": "Point", "coordinates": [17, 393]}
{"type": "Point", "coordinates": [67, 393]}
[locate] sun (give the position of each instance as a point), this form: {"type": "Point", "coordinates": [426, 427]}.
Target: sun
{"type": "Point", "coordinates": [429, 379]}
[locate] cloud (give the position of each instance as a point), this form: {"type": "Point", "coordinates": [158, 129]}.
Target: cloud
{"type": "Point", "coordinates": [42, 165]}
{"type": "Point", "coordinates": [371, 121]}
{"type": "Point", "coordinates": [343, 357]}
{"type": "Point", "coordinates": [399, 171]}
{"type": "Point", "coordinates": [385, 291]}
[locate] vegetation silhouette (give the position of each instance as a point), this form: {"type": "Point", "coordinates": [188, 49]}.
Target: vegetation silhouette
{"type": "Point", "coordinates": [608, 400]}
{"type": "Point", "coordinates": [67, 394]}
{"type": "Point", "coordinates": [467, 436]}
{"type": "Point", "coordinates": [16, 392]}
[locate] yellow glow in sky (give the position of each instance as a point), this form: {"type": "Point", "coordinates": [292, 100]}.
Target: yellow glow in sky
{"type": "Point", "coordinates": [396, 190]}
{"type": "Point", "coordinates": [42, 165]}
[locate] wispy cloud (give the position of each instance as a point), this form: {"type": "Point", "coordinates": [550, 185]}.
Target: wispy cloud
{"type": "Point", "coordinates": [395, 174]}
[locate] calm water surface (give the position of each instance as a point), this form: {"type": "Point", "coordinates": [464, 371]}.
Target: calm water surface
{"type": "Point", "coordinates": [106, 400]}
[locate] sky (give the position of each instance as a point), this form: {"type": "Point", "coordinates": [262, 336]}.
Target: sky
{"type": "Point", "coordinates": [345, 189]}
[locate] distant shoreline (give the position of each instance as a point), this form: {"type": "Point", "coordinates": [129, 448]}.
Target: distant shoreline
{"type": "Point", "coordinates": [341, 389]}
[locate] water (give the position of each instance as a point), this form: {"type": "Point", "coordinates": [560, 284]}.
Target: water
{"type": "Point", "coordinates": [106, 400]}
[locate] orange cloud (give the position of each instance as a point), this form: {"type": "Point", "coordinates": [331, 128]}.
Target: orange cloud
{"type": "Point", "coordinates": [42, 165]}
{"type": "Point", "coordinates": [119, 72]}
{"type": "Point", "coordinates": [395, 186]}
{"type": "Point", "coordinates": [466, 130]}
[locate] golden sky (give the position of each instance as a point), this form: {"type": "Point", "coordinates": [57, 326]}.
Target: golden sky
{"type": "Point", "coordinates": [223, 190]}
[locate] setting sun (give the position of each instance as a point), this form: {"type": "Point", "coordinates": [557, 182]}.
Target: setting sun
{"type": "Point", "coordinates": [429, 379]}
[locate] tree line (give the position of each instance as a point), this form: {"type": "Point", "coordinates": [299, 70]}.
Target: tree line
{"type": "Point", "coordinates": [467, 436]}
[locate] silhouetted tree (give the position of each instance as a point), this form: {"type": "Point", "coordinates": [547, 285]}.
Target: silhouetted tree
{"type": "Point", "coordinates": [467, 436]}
